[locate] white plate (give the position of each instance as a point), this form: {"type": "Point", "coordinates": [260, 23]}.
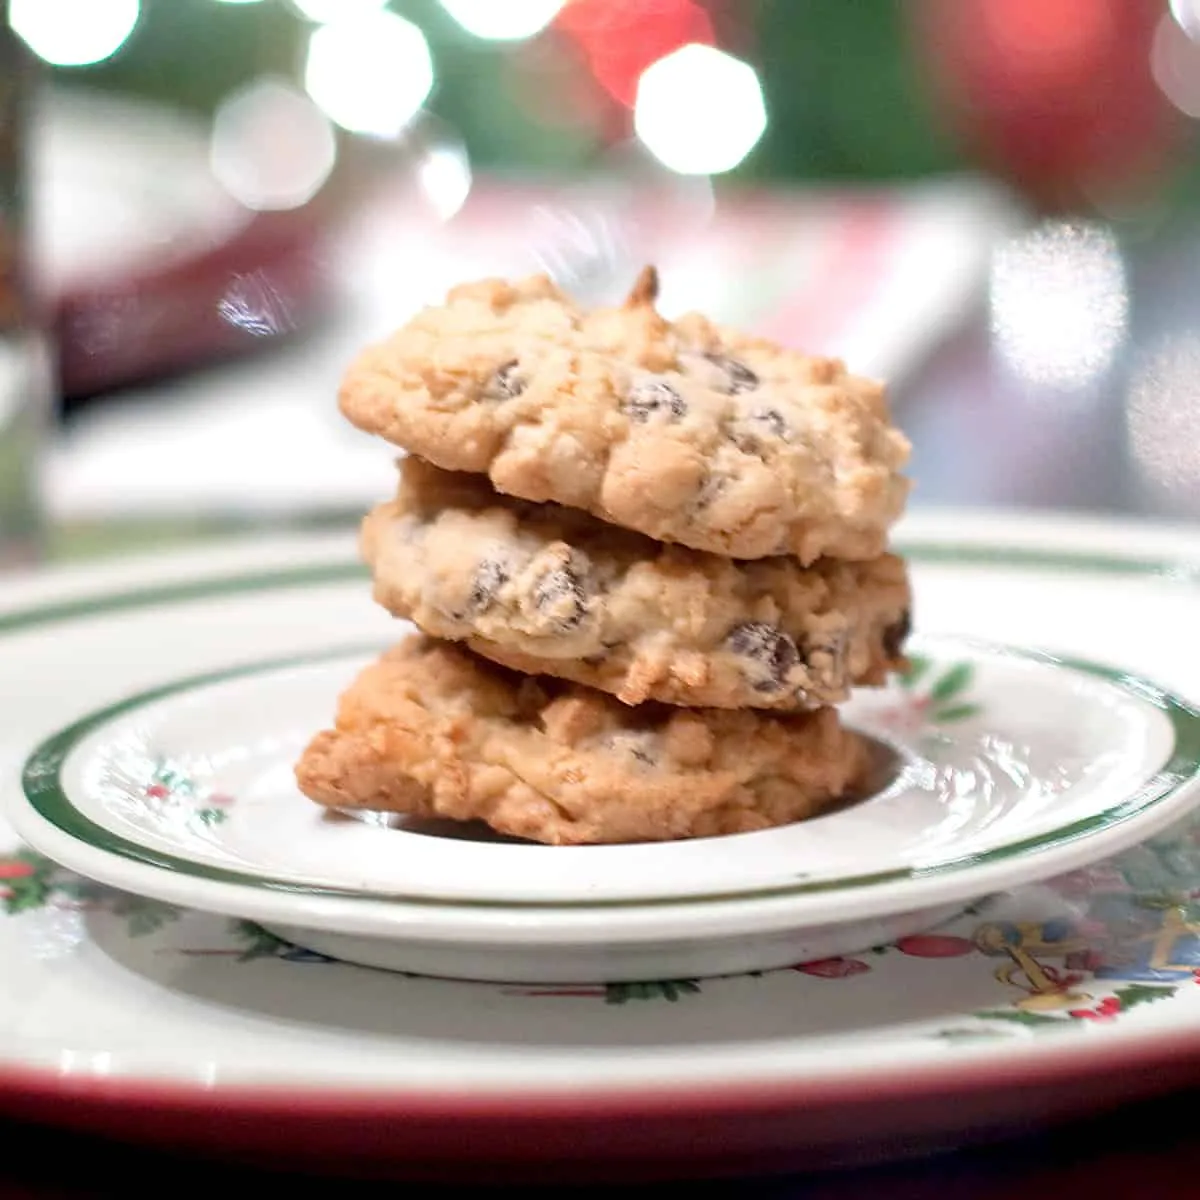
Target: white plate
{"type": "Point", "coordinates": [128, 1016]}
{"type": "Point", "coordinates": [994, 768]}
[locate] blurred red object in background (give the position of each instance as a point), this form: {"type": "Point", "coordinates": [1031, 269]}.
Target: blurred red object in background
{"type": "Point", "coordinates": [1057, 96]}
{"type": "Point", "coordinates": [259, 287]}
{"type": "Point", "coordinates": [621, 38]}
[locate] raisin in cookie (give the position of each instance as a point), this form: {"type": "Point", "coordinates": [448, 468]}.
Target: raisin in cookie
{"type": "Point", "coordinates": [552, 590]}
{"type": "Point", "coordinates": [433, 731]}
{"type": "Point", "coordinates": [683, 431]}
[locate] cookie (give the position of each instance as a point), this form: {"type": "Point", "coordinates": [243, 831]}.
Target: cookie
{"type": "Point", "coordinates": [434, 731]}
{"type": "Point", "coordinates": [686, 432]}
{"type": "Point", "coordinates": [552, 590]}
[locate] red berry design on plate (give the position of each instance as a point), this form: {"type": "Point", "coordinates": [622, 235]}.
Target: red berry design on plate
{"type": "Point", "coordinates": [934, 945]}
{"type": "Point", "coordinates": [158, 791]}
{"type": "Point", "coordinates": [24, 882]}
{"type": "Point", "coordinates": [1108, 1008]}
{"type": "Point", "coordinates": [832, 968]}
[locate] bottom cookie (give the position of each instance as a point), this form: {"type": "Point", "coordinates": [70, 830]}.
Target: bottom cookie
{"type": "Point", "coordinates": [433, 731]}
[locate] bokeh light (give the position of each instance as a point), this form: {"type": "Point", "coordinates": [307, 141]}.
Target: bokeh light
{"type": "Point", "coordinates": [1043, 40]}
{"type": "Point", "coordinates": [271, 147]}
{"type": "Point", "coordinates": [1059, 303]}
{"type": "Point", "coordinates": [371, 74]}
{"type": "Point", "coordinates": [503, 20]}
{"type": "Point", "coordinates": [74, 33]}
{"type": "Point", "coordinates": [325, 12]}
{"type": "Point", "coordinates": [444, 177]}
{"type": "Point", "coordinates": [699, 111]}
{"type": "Point", "coordinates": [1162, 415]}
{"type": "Point", "coordinates": [1175, 64]}
{"type": "Point", "coordinates": [1187, 15]}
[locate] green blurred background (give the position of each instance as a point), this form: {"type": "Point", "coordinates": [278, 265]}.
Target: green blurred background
{"type": "Point", "coordinates": [842, 85]}
{"type": "Point", "coordinates": [1076, 103]}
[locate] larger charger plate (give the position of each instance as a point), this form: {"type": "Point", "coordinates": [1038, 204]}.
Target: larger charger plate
{"type": "Point", "coordinates": [128, 1014]}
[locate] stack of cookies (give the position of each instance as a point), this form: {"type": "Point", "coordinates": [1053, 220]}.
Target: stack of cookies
{"type": "Point", "coordinates": [646, 560]}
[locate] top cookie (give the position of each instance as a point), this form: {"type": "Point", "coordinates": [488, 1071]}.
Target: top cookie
{"type": "Point", "coordinates": [684, 431]}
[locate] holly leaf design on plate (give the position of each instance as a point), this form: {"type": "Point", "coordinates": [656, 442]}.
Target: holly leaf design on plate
{"type": "Point", "coordinates": [1133, 994]}
{"type": "Point", "coordinates": [26, 880]}
{"type": "Point", "coordinates": [945, 701]}
{"type": "Point", "coordinates": [142, 915]}
{"type": "Point", "coordinates": [257, 942]}
{"type": "Point", "coordinates": [952, 683]}
{"type": "Point", "coordinates": [918, 668]}
{"type": "Point", "coordinates": [664, 989]}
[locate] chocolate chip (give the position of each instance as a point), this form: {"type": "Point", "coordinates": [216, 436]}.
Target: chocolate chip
{"type": "Point", "coordinates": [769, 649]}
{"type": "Point", "coordinates": [738, 376]}
{"type": "Point", "coordinates": [747, 434]}
{"type": "Point", "coordinates": [711, 487]}
{"type": "Point", "coordinates": [772, 422]}
{"type": "Point", "coordinates": [650, 396]}
{"type": "Point", "coordinates": [505, 384]}
{"type": "Point", "coordinates": [490, 577]}
{"type": "Point", "coordinates": [896, 634]}
{"type": "Point", "coordinates": [560, 594]}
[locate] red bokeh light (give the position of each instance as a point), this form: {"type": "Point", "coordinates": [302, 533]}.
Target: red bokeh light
{"type": "Point", "coordinates": [1057, 95]}
{"type": "Point", "coordinates": [621, 38]}
{"type": "Point", "coordinates": [1048, 42]}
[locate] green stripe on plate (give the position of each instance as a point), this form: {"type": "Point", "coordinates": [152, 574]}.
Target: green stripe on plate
{"type": "Point", "coordinates": [42, 782]}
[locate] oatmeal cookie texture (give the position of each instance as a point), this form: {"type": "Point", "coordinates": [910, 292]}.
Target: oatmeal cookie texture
{"type": "Point", "coordinates": [433, 730]}
{"type": "Point", "coordinates": [552, 590]}
{"type": "Point", "coordinates": [645, 557]}
{"type": "Point", "coordinates": [684, 431]}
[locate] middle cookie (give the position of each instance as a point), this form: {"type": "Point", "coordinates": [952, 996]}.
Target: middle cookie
{"type": "Point", "coordinates": [554, 591]}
